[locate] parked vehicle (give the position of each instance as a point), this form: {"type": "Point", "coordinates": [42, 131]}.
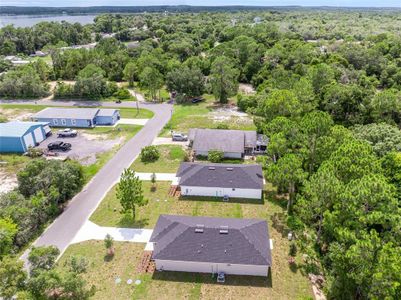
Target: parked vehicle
{"type": "Point", "coordinates": [59, 145]}
{"type": "Point", "coordinates": [118, 101]}
{"type": "Point", "coordinates": [67, 132]}
{"type": "Point", "coordinates": [197, 99]}
{"type": "Point", "coordinates": [226, 198]}
{"type": "Point", "coordinates": [221, 277]}
{"type": "Point", "coordinates": [179, 137]}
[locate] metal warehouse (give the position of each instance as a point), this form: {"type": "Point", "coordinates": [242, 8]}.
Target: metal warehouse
{"type": "Point", "coordinates": [17, 137]}
{"type": "Point", "coordinates": [77, 117]}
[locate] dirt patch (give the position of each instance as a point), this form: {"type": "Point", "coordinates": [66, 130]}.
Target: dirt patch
{"type": "Point", "coordinates": [85, 147]}
{"type": "Point", "coordinates": [246, 89]}
{"type": "Point", "coordinates": [16, 114]}
{"type": "Point", "coordinates": [229, 114]}
{"type": "Point", "coordinates": [8, 182]}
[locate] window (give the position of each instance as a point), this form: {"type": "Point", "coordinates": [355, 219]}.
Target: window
{"type": "Point", "coordinates": [63, 122]}
{"type": "Point", "coordinates": [55, 121]}
{"type": "Point", "coordinates": [73, 122]}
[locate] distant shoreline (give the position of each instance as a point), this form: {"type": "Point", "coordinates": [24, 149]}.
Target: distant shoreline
{"type": "Point", "coordinates": [35, 10]}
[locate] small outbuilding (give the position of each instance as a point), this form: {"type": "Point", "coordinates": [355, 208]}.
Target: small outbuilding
{"type": "Point", "coordinates": [17, 137]}
{"type": "Point", "coordinates": [211, 245]}
{"type": "Point", "coordinates": [220, 180]}
{"type": "Point", "coordinates": [77, 117]}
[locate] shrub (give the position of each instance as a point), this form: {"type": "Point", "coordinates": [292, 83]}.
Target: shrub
{"type": "Point", "coordinates": [293, 249]}
{"type": "Point", "coordinates": [222, 126]}
{"type": "Point", "coordinates": [35, 152]}
{"type": "Point", "coordinates": [215, 156]}
{"type": "Point", "coordinates": [150, 154]}
{"type": "Point", "coordinates": [122, 94]}
{"type": "Point", "coordinates": [77, 264]}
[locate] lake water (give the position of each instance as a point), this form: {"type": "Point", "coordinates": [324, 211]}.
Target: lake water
{"type": "Point", "coordinates": [27, 20]}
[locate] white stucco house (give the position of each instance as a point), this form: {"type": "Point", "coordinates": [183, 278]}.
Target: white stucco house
{"type": "Point", "coordinates": [233, 143]}
{"type": "Point", "coordinates": [219, 180]}
{"type": "Point", "coordinates": [211, 245]}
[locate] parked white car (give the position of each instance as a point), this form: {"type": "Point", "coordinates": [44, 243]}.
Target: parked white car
{"type": "Point", "coordinates": [67, 132]}
{"type": "Point", "coordinates": [179, 137]}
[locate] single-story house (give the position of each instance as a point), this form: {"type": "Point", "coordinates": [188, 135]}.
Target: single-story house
{"type": "Point", "coordinates": [233, 143]}
{"type": "Point", "coordinates": [211, 245]}
{"type": "Point", "coordinates": [219, 180]}
{"type": "Point", "coordinates": [17, 137]}
{"type": "Point", "coordinates": [77, 117]}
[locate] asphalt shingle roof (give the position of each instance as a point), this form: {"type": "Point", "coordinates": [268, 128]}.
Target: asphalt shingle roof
{"type": "Point", "coordinates": [223, 140]}
{"type": "Point", "coordinates": [221, 175]}
{"type": "Point", "coordinates": [17, 129]}
{"type": "Point", "coordinates": [246, 242]}
{"type": "Point", "coordinates": [67, 113]}
{"type": "Point", "coordinates": [106, 112]}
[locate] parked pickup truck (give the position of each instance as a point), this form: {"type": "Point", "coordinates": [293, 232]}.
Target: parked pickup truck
{"type": "Point", "coordinates": [59, 145]}
{"type": "Point", "coordinates": [68, 132]}
{"type": "Point", "coordinates": [179, 137]}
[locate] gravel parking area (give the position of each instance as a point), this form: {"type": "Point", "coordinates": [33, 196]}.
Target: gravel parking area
{"type": "Point", "coordinates": [84, 147]}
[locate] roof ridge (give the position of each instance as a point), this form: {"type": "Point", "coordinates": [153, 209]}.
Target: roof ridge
{"type": "Point", "coordinates": [253, 245]}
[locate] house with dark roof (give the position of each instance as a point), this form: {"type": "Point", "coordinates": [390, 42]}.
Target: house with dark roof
{"type": "Point", "coordinates": [219, 180]}
{"type": "Point", "coordinates": [77, 117]}
{"type": "Point", "coordinates": [211, 245]}
{"type": "Point", "coordinates": [233, 143]}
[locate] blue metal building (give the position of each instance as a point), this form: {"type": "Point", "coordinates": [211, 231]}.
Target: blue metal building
{"type": "Point", "coordinates": [17, 137]}
{"type": "Point", "coordinates": [77, 117]}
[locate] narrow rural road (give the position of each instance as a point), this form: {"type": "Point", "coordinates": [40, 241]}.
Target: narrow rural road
{"type": "Point", "coordinates": [62, 231]}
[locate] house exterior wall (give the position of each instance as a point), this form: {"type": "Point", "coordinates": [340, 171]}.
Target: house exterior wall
{"type": "Point", "coordinates": [68, 122]}
{"type": "Point", "coordinates": [226, 154]}
{"type": "Point", "coordinates": [209, 267]}
{"type": "Point", "coordinates": [220, 192]}
{"type": "Point", "coordinates": [11, 145]}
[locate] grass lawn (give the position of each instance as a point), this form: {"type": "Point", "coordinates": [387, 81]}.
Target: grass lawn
{"type": "Point", "coordinates": [126, 131]}
{"type": "Point", "coordinates": [11, 111]}
{"type": "Point", "coordinates": [12, 163]}
{"type": "Point", "coordinates": [202, 115]}
{"type": "Point", "coordinates": [170, 158]}
{"type": "Point", "coordinates": [285, 282]}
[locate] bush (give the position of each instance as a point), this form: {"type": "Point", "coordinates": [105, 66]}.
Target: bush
{"type": "Point", "coordinates": [150, 154]}
{"type": "Point", "coordinates": [43, 258]}
{"type": "Point", "coordinates": [122, 94]}
{"type": "Point", "coordinates": [293, 249]}
{"type": "Point", "coordinates": [245, 102]}
{"type": "Point", "coordinates": [222, 126]}
{"type": "Point", "coordinates": [77, 264]}
{"type": "Point", "coordinates": [35, 152]}
{"type": "Point", "coordinates": [215, 156]}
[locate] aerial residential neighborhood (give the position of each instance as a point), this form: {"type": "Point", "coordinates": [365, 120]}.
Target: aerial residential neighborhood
{"type": "Point", "coordinates": [200, 152]}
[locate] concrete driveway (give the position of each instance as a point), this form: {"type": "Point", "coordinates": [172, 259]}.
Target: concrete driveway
{"type": "Point", "coordinates": [62, 231]}
{"type": "Point", "coordinates": [168, 141]}
{"type": "Point", "coordinates": [91, 231]}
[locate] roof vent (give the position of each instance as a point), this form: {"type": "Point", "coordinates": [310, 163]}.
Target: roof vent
{"type": "Point", "coordinates": [223, 230]}
{"type": "Point", "coordinates": [199, 228]}
{"type": "Point", "coordinates": [212, 168]}
{"type": "Point", "coordinates": [229, 169]}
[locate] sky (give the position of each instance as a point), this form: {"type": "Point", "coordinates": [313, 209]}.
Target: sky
{"type": "Point", "coordinates": [337, 3]}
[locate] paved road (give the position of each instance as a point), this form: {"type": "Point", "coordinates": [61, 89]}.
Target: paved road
{"type": "Point", "coordinates": [62, 231]}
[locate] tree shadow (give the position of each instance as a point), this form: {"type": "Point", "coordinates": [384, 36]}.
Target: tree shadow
{"type": "Point", "coordinates": [108, 258]}
{"type": "Point", "coordinates": [230, 280]}
{"type": "Point", "coordinates": [126, 221]}
{"type": "Point", "coordinates": [294, 267]}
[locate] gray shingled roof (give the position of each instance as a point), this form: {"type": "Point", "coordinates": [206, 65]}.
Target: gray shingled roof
{"type": "Point", "coordinates": [221, 175]}
{"type": "Point", "coordinates": [247, 240]}
{"type": "Point", "coordinates": [106, 112]}
{"type": "Point", "coordinates": [223, 140]}
{"type": "Point", "coordinates": [67, 113]}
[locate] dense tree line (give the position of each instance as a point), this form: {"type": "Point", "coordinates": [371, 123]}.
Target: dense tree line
{"type": "Point", "coordinates": [43, 188]}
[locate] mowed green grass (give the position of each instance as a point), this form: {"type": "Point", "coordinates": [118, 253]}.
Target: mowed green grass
{"type": "Point", "coordinates": [170, 158]}
{"type": "Point", "coordinates": [198, 115]}
{"type": "Point", "coordinates": [284, 282]}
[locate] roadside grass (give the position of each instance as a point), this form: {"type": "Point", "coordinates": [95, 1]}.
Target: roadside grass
{"type": "Point", "coordinates": [12, 163]}
{"type": "Point", "coordinates": [170, 158]}
{"type": "Point", "coordinates": [283, 283]}
{"type": "Point", "coordinates": [199, 115]}
{"type": "Point", "coordinates": [125, 131]}
{"type": "Point", "coordinates": [14, 110]}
